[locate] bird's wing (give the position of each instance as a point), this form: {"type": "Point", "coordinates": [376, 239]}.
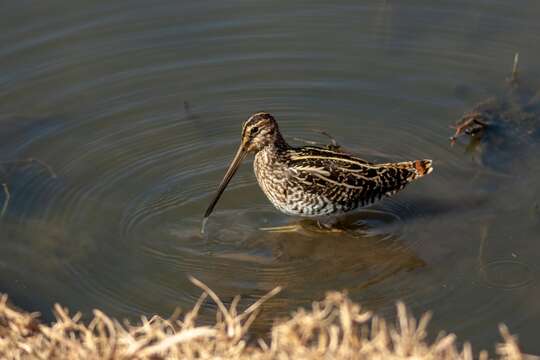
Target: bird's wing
{"type": "Point", "coordinates": [344, 178]}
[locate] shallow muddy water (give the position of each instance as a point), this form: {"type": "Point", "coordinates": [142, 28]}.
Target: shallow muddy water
{"type": "Point", "coordinates": [137, 109]}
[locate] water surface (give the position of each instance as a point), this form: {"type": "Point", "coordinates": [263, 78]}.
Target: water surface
{"type": "Point", "coordinates": [138, 107]}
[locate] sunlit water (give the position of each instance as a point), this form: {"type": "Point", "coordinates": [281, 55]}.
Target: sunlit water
{"type": "Point", "coordinates": [137, 108]}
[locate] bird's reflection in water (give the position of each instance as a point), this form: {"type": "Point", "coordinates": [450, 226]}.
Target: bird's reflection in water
{"type": "Point", "coordinates": [362, 251]}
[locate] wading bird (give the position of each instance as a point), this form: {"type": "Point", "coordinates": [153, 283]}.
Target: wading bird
{"type": "Point", "coordinates": [314, 181]}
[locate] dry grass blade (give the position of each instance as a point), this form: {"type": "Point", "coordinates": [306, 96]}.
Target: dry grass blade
{"type": "Point", "coordinates": [257, 304]}
{"type": "Point", "coordinates": [335, 328]}
{"type": "Point", "coordinates": [228, 318]}
{"type": "Point", "coordinates": [173, 340]}
{"type": "Point", "coordinates": [509, 349]}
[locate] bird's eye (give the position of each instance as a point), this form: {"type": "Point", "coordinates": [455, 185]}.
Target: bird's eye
{"type": "Point", "coordinates": [254, 130]}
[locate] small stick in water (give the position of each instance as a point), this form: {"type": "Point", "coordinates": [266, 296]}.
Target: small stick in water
{"type": "Point", "coordinates": [515, 67]}
{"type": "Point", "coordinates": [513, 80]}
{"type": "Point", "coordinates": [5, 186]}
{"type": "Point", "coordinates": [6, 200]}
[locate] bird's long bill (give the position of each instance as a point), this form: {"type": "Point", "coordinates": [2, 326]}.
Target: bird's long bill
{"type": "Point", "coordinates": [240, 154]}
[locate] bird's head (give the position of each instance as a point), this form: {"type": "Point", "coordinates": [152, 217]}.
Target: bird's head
{"type": "Point", "coordinates": [259, 131]}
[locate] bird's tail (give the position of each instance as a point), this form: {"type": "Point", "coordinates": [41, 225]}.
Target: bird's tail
{"type": "Point", "coordinates": [417, 168]}
{"type": "Point", "coordinates": [423, 167]}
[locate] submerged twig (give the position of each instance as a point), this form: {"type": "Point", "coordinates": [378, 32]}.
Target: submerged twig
{"type": "Point", "coordinates": [515, 74]}
{"type": "Point", "coordinates": [5, 187]}
{"type": "Point", "coordinates": [6, 200]}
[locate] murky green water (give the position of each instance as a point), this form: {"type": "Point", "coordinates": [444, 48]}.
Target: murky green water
{"type": "Point", "coordinates": [137, 107]}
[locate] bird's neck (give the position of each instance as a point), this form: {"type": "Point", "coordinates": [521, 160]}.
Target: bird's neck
{"type": "Point", "coordinates": [278, 144]}
{"type": "Point", "coordinates": [273, 151]}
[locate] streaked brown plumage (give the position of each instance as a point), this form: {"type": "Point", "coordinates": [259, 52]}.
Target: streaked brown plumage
{"type": "Point", "coordinates": [313, 181]}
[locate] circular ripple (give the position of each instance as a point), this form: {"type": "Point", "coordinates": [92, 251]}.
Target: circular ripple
{"type": "Point", "coordinates": [506, 274]}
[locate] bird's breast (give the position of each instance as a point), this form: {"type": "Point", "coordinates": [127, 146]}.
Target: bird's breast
{"type": "Point", "coordinates": [272, 178]}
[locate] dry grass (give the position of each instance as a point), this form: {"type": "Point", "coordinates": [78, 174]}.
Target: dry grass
{"type": "Point", "coordinates": [335, 328]}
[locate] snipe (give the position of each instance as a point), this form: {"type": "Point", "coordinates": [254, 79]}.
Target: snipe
{"type": "Point", "coordinates": [313, 181]}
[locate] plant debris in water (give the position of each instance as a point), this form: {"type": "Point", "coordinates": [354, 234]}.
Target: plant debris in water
{"type": "Point", "coordinates": [504, 122]}
{"type": "Point", "coordinates": [335, 328]}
